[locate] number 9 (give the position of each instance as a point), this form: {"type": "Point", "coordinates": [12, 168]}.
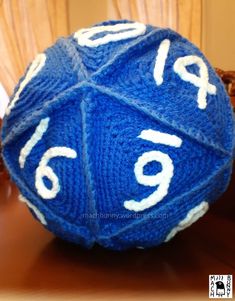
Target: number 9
{"type": "Point", "coordinates": [162, 178]}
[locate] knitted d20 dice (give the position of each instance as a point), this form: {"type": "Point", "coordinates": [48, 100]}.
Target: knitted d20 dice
{"type": "Point", "coordinates": [121, 134]}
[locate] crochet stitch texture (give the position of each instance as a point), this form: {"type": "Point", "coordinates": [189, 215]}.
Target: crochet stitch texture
{"type": "Point", "coordinates": [121, 134]}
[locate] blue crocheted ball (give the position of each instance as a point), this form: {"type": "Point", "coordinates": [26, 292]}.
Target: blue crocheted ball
{"type": "Point", "coordinates": [121, 134]}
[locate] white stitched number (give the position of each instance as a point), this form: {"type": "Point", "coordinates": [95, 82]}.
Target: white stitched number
{"type": "Point", "coordinates": [33, 70]}
{"type": "Point", "coordinates": [39, 214]}
{"type": "Point", "coordinates": [163, 178]}
{"type": "Point", "coordinates": [202, 81]}
{"type": "Point", "coordinates": [43, 170]}
{"type": "Point", "coordinates": [161, 57]}
{"type": "Point", "coordinates": [122, 31]}
{"type": "Point", "coordinates": [192, 216]}
{"type": "Point", "coordinates": [132, 30]}
{"type": "Point", "coordinates": [37, 135]}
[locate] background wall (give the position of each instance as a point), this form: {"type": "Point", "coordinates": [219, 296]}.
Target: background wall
{"type": "Point", "coordinates": [218, 37]}
{"type": "Point", "coordinates": [84, 13]}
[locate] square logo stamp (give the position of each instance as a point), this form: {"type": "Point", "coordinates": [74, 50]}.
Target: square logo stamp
{"type": "Point", "coordinates": [220, 286]}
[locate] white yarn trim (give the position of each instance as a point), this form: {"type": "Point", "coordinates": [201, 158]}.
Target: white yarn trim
{"type": "Point", "coordinates": [37, 136]}
{"type": "Point", "coordinates": [201, 82]}
{"type": "Point", "coordinates": [34, 68]}
{"type": "Point", "coordinates": [161, 57]}
{"type": "Point", "coordinates": [39, 215]}
{"type": "Point", "coordinates": [84, 35]}
{"type": "Point", "coordinates": [45, 171]}
{"type": "Point", "coordinates": [192, 216]}
{"type": "Point", "coordinates": [161, 138]}
{"type": "Point", "coordinates": [163, 178]}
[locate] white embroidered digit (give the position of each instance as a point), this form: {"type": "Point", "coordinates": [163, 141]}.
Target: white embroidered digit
{"type": "Point", "coordinates": [122, 31]}
{"type": "Point", "coordinates": [192, 216]}
{"type": "Point", "coordinates": [39, 214]}
{"type": "Point", "coordinates": [43, 170]}
{"type": "Point", "coordinates": [34, 68]}
{"type": "Point", "coordinates": [160, 62]}
{"type": "Point", "coordinates": [163, 178]}
{"type": "Point", "coordinates": [201, 82]}
{"type": "Point", "coordinates": [37, 136]}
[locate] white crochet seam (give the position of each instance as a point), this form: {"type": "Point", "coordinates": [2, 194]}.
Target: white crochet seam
{"type": "Point", "coordinates": [192, 216]}
{"type": "Point", "coordinates": [161, 57]}
{"type": "Point", "coordinates": [46, 171]}
{"type": "Point", "coordinates": [34, 68]}
{"type": "Point", "coordinates": [39, 215]}
{"type": "Point", "coordinates": [37, 136]}
{"type": "Point", "coordinates": [162, 179]}
{"type": "Point", "coordinates": [84, 35]}
{"type": "Point", "coordinates": [202, 81]}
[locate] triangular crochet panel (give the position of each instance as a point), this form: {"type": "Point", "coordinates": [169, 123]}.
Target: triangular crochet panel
{"type": "Point", "coordinates": [114, 146]}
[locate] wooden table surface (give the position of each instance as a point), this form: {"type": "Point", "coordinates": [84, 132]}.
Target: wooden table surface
{"type": "Point", "coordinates": [34, 265]}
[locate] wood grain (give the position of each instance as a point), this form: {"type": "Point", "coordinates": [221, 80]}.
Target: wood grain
{"type": "Point", "coordinates": [35, 263]}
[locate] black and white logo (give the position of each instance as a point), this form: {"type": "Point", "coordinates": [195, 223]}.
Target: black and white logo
{"type": "Point", "coordinates": [220, 286]}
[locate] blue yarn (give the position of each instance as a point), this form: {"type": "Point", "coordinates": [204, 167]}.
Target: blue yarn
{"type": "Point", "coordinates": [99, 100]}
